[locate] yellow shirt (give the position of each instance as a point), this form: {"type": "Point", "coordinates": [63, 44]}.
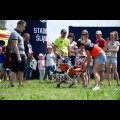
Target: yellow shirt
{"type": "Point", "coordinates": [62, 43]}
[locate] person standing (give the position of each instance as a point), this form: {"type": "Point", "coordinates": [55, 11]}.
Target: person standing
{"type": "Point", "coordinates": [101, 42]}
{"type": "Point", "coordinates": [41, 66]}
{"type": "Point", "coordinates": [63, 43]}
{"type": "Point", "coordinates": [17, 53]}
{"type": "Point", "coordinates": [112, 50]}
{"type": "Point", "coordinates": [73, 46]}
{"type": "Point", "coordinates": [99, 59]}
{"type": "Point", "coordinates": [29, 53]}
{"type": "Point", "coordinates": [50, 61]}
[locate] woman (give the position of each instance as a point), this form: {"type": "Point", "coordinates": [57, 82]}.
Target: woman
{"type": "Point", "coordinates": [99, 59]}
{"type": "Point", "coordinates": [73, 44]}
{"type": "Point", "coordinates": [85, 37]}
{"type": "Point", "coordinates": [112, 49]}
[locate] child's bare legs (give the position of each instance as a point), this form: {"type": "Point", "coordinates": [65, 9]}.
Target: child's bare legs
{"type": "Point", "coordinates": [83, 78]}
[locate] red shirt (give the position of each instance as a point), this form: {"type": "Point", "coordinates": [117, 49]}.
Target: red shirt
{"type": "Point", "coordinates": [101, 42]}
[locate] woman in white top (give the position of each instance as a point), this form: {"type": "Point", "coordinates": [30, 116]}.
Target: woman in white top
{"type": "Point", "coordinates": [85, 37]}
{"type": "Point", "coordinates": [111, 52]}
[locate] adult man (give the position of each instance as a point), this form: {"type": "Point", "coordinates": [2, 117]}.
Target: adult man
{"type": "Point", "coordinates": [29, 53]}
{"type": "Point", "coordinates": [101, 42]}
{"type": "Point", "coordinates": [63, 43]}
{"type": "Point", "coordinates": [17, 53]}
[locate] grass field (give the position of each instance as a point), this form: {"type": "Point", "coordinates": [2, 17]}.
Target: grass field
{"type": "Point", "coordinates": [47, 90]}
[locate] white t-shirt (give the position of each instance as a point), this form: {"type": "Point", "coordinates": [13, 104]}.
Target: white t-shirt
{"type": "Point", "coordinates": [86, 41]}
{"type": "Point", "coordinates": [50, 59]}
{"type": "Point", "coordinates": [80, 59]}
{"type": "Point", "coordinates": [113, 45]}
{"type": "Point", "coordinates": [72, 47]}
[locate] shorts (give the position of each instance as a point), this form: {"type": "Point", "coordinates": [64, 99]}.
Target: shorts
{"type": "Point", "coordinates": [90, 69]}
{"type": "Point", "coordinates": [101, 58]}
{"type": "Point", "coordinates": [17, 66]}
{"type": "Point", "coordinates": [111, 60]}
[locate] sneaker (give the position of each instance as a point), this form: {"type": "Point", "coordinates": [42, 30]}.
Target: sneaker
{"type": "Point", "coordinates": [0, 80]}
{"type": "Point", "coordinates": [109, 84]}
{"type": "Point", "coordinates": [96, 88]}
{"type": "Point", "coordinates": [11, 86]}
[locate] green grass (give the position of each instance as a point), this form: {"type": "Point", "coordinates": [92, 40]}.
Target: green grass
{"type": "Point", "coordinates": [35, 90]}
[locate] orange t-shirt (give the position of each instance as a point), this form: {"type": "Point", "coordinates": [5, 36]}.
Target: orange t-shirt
{"type": "Point", "coordinates": [94, 49]}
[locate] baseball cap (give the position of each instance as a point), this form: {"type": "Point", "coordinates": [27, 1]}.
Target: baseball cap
{"type": "Point", "coordinates": [63, 31]}
{"type": "Point", "coordinates": [62, 50]}
{"type": "Point", "coordinates": [98, 32]}
{"type": "Point", "coordinates": [41, 54]}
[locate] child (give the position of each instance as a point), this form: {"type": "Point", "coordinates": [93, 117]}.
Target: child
{"type": "Point", "coordinates": [7, 64]}
{"type": "Point", "coordinates": [30, 62]}
{"type": "Point", "coordinates": [89, 71]}
{"type": "Point", "coordinates": [49, 62]}
{"type": "Point", "coordinates": [80, 62]}
{"type": "Point", "coordinates": [2, 60]}
{"type": "Point", "coordinates": [60, 59]}
{"type": "Point", "coordinates": [41, 67]}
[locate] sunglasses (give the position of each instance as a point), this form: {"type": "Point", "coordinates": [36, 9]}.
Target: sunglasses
{"type": "Point", "coordinates": [112, 35]}
{"type": "Point", "coordinates": [84, 34]}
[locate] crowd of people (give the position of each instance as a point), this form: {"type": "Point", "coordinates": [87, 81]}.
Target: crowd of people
{"type": "Point", "coordinates": [99, 58]}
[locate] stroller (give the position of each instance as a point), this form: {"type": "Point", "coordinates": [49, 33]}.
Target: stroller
{"type": "Point", "coordinates": [68, 70]}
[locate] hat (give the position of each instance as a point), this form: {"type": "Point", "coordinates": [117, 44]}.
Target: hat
{"type": "Point", "coordinates": [41, 55]}
{"type": "Point", "coordinates": [49, 47]}
{"type": "Point", "coordinates": [63, 31]}
{"type": "Point", "coordinates": [62, 50]}
{"type": "Point", "coordinates": [99, 32]}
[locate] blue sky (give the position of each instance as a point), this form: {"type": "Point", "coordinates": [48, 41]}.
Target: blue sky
{"type": "Point", "coordinates": [54, 26]}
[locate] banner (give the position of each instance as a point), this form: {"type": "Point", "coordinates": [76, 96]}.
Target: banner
{"type": "Point", "coordinates": [38, 32]}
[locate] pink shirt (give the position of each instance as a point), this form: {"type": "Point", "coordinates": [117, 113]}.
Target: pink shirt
{"type": "Point", "coordinates": [41, 64]}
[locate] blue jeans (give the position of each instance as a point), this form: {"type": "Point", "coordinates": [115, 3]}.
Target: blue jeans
{"type": "Point", "coordinates": [48, 71]}
{"type": "Point", "coordinates": [29, 73]}
{"type": "Point", "coordinates": [41, 74]}
{"type": "Point", "coordinates": [66, 59]}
